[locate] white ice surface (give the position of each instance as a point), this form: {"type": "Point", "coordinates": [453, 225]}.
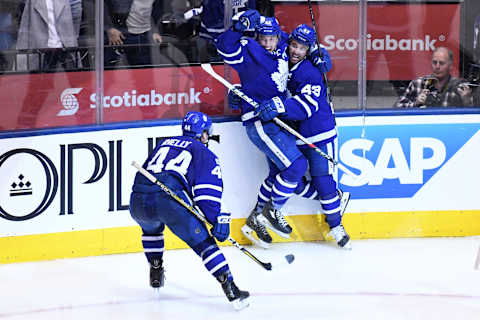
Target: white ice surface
{"type": "Point", "coordinates": [379, 279]}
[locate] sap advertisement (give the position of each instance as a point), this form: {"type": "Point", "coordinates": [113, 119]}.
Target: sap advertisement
{"type": "Point", "coordinates": [400, 37]}
{"type": "Point", "coordinates": [82, 181]}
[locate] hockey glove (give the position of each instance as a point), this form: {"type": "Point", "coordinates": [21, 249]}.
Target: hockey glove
{"type": "Point", "coordinates": [246, 20]}
{"type": "Point", "coordinates": [321, 59]}
{"type": "Point", "coordinates": [234, 101]}
{"type": "Point", "coordinates": [221, 229]}
{"type": "Point", "coordinates": [269, 109]}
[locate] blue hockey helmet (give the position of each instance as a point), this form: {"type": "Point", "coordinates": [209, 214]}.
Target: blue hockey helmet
{"type": "Point", "coordinates": [268, 26]}
{"type": "Point", "coordinates": [304, 34]}
{"type": "Point", "coordinates": [195, 123]}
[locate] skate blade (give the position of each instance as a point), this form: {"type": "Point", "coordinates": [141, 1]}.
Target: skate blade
{"type": "Point", "coordinates": [240, 304]}
{"type": "Point", "coordinates": [347, 246]}
{"type": "Point", "coordinates": [267, 224]}
{"type": "Point", "coordinates": [249, 234]}
{"type": "Point", "coordinates": [344, 202]}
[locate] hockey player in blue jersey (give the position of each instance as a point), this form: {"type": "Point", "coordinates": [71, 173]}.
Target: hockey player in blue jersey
{"type": "Point", "coordinates": [186, 166]}
{"type": "Point", "coordinates": [275, 41]}
{"type": "Point", "coordinates": [262, 66]}
{"type": "Point", "coordinates": [308, 105]}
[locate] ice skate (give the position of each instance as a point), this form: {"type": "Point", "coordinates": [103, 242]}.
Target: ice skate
{"type": "Point", "coordinates": [256, 231]}
{"type": "Point", "coordinates": [274, 219]}
{"type": "Point", "coordinates": [341, 237]}
{"type": "Point", "coordinates": [344, 198]}
{"type": "Point", "coordinates": [157, 274]}
{"type": "Point", "coordinates": [237, 297]}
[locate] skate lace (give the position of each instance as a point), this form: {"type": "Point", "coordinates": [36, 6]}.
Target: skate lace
{"type": "Point", "coordinates": [261, 228]}
{"type": "Point", "coordinates": [280, 218]}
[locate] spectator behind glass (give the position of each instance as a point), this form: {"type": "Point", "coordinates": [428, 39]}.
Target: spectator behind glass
{"type": "Point", "coordinates": [439, 89]}
{"type": "Point", "coordinates": [48, 24]}
{"type": "Point", "coordinates": [128, 23]}
{"type": "Point", "coordinates": [7, 31]}
{"type": "Point", "coordinates": [212, 16]}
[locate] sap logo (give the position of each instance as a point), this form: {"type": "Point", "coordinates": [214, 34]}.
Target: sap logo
{"type": "Point", "coordinates": [391, 162]}
{"type": "Point", "coordinates": [396, 161]}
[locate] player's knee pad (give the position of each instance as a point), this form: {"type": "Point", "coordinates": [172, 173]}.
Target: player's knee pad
{"type": "Point", "coordinates": [324, 185]}
{"type": "Point", "coordinates": [200, 247]}
{"type": "Point", "coordinates": [296, 170]}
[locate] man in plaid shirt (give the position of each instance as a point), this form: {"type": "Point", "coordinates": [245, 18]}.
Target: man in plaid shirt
{"type": "Point", "coordinates": [440, 89]}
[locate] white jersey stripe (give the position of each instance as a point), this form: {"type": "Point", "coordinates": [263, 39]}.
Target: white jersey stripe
{"type": "Point", "coordinates": [304, 105]}
{"type": "Point", "coordinates": [273, 147]}
{"type": "Point", "coordinates": [319, 137]}
{"type": "Point", "coordinates": [229, 55]}
{"type": "Point", "coordinates": [312, 101]}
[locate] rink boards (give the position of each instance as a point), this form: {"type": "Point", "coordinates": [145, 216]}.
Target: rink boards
{"type": "Point", "coordinates": [65, 193]}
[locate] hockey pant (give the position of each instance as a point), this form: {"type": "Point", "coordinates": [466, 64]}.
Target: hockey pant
{"type": "Point", "coordinates": [286, 163]}
{"type": "Point", "coordinates": [152, 211]}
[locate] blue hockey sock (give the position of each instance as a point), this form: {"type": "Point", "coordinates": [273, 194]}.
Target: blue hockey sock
{"type": "Point", "coordinates": [286, 182]}
{"type": "Point", "coordinates": [306, 189]}
{"type": "Point", "coordinates": [331, 209]}
{"type": "Point", "coordinates": [282, 190]}
{"type": "Point", "coordinates": [153, 246]}
{"type": "Point", "coordinates": [329, 199]}
{"type": "Point", "coordinates": [212, 257]}
{"type": "Point", "coordinates": [264, 195]}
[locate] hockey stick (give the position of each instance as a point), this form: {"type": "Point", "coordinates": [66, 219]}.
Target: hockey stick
{"type": "Point", "coordinates": [208, 68]}
{"type": "Point", "coordinates": [149, 176]}
{"type": "Point", "coordinates": [324, 76]}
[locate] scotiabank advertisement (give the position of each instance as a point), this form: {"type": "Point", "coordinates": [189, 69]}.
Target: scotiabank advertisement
{"type": "Point", "coordinates": [400, 37]}
{"type": "Point", "coordinates": [68, 98]}
{"type": "Point", "coordinates": [400, 40]}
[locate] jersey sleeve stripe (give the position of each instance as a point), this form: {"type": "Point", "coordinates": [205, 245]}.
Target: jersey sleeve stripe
{"type": "Point", "coordinates": [214, 30]}
{"type": "Point", "coordinates": [304, 105]}
{"type": "Point", "coordinates": [234, 61]}
{"type": "Point", "coordinates": [312, 101]}
{"type": "Point", "coordinates": [229, 55]}
{"type": "Point", "coordinates": [208, 186]}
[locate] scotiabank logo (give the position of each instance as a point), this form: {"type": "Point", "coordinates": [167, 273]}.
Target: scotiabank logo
{"type": "Point", "coordinates": [69, 102]}
{"type": "Point", "coordinates": [387, 43]}
{"type": "Point", "coordinates": [152, 98]}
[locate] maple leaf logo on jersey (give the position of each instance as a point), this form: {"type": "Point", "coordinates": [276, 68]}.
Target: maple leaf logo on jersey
{"type": "Point", "coordinates": [281, 75]}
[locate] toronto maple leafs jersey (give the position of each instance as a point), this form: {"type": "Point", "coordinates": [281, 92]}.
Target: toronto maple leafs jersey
{"type": "Point", "coordinates": [213, 13]}
{"type": "Point", "coordinates": [263, 74]}
{"type": "Point", "coordinates": [195, 166]}
{"type": "Point", "coordinates": [308, 103]}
